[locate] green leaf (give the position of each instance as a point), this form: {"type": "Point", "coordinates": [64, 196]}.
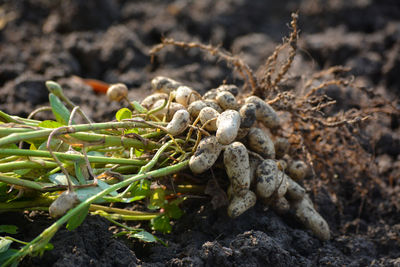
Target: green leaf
{"type": "Point", "coordinates": [123, 113]}
{"type": "Point", "coordinates": [9, 229]}
{"type": "Point", "coordinates": [144, 236]}
{"type": "Point", "coordinates": [78, 165]}
{"type": "Point", "coordinates": [4, 244]}
{"type": "Point", "coordinates": [133, 130]}
{"type": "Point", "coordinates": [55, 145]}
{"type": "Point", "coordinates": [139, 108]}
{"type": "Point", "coordinates": [78, 218]}
{"type": "Point", "coordinates": [141, 188]}
{"type": "Point", "coordinates": [50, 124]}
{"type": "Point", "coordinates": [157, 199]}
{"type": "Point", "coordinates": [4, 256]}
{"type": "Point", "coordinates": [86, 192]}
{"type": "Point", "coordinates": [61, 113]}
{"type": "Point", "coordinates": [138, 152]}
{"type": "Point", "coordinates": [161, 223]}
{"type": "Point", "coordinates": [22, 171]}
{"type": "Point", "coordinates": [173, 211]}
{"type": "Point", "coordinates": [60, 179]}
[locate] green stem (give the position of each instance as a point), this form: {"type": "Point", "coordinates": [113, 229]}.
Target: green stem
{"type": "Point", "coordinates": [37, 202]}
{"type": "Point", "coordinates": [41, 240]}
{"type": "Point", "coordinates": [9, 159]}
{"type": "Point", "coordinates": [33, 134]}
{"type": "Point", "coordinates": [123, 217]}
{"type": "Point", "coordinates": [16, 240]}
{"type": "Point", "coordinates": [95, 207]}
{"type": "Point", "coordinates": [24, 183]}
{"type": "Point", "coordinates": [26, 164]}
{"type": "Point", "coordinates": [71, 157]}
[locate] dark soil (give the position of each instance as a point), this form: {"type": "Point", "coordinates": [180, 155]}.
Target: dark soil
{"type": "Point", "coordinates": [110, 40]}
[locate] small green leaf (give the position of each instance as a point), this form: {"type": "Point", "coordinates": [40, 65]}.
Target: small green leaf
{"type": "Point", "coordinates": [50, 124]}
{"type": "Point", "coordinates": [60, 179]}
{"type": "Point", "coordinates": [22, 171]}
{"type": "Point", "coordinates": [4, 256]}
{"type": "Point", "coordinates": [4, 244]}
{"type": "Point", "coordinates": [9, 229]}
{"type": "Point", "coordinates": [157, 199]}
{"type": "Point", "coordinates": [61, 113]}
{"type": "Point", "coordinates": [32, 146]}
{"type": "Point", "coordinates": [161, 223]}
{"type": "Point", "coordinates": [139, 108]}
{"type": "Point", "coordinates": [78, 218]}
{"type": "Point", "coordinates": [144, 236]}
{"type": "Point", "coordinates": [54, 88]}
{"type": "Point", "coordinates": [173, 211]}
{"type": "Point", "coordinates": [141, 188]}
{"type": "Point", "coordinates": [123, 113]}
{"type": "Point", "coordinates": [55, 145]}
{"type": "Point", "coordinates": [138, 152]}
{"type": "Point", "coordinates": [78, 165]}
{"type": "Point", "coordinates": [133, 130]}
{"type": "Point", "coordinates": [87, 192]}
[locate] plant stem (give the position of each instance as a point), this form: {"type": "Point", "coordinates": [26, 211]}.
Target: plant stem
{"type": "Point", "coordinates": [26, 164]}
{"type": "Point", "coordinates": [41, 240]}
{"type": "Point", "coordinates": [95, 207]}
{"type": "Point", "coordinates": [17, 205]}
{"type": "Point", "coordinates": [123, 217]}
{"type": "Point", "coordinates": [71, 157]}
{"type": "Point", "coordinates": [24, 183]}
{"type": "Point", "coordinates": [33, 134]}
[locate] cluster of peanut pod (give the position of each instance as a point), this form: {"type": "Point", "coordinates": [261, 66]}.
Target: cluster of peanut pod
{"type": "Point", "coordinates": [255, 161]}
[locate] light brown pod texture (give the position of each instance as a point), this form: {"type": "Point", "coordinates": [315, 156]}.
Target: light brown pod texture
{"type": "Point", "coordinates": [164, 84]}
{"type": "Point", "coordinates": [168, 111]}
{"type": "Point", "coordinates": [117, 92]}
{"type": "Point", "coordinates": [231, 88]}
{"type": "Point", "coordinates": [153, 98]}
{"type": "Point", "coordinates": [240, 204]}
{"type": "Point", "coordinates": [254, 163]}
{"type": "Point", "coordinates": [185, 95]}
{"type": "Point", "coordinates": [195, 107]}
{"type": "Point", "coordinates": [311, 219]}
{"type": "Point", "coordinates": [228, 124]}
{"type": "Point", "coordinates": [283, 184]}
{"type": "Point", "coordinates": [295, 192]}
{"type": "Point", "coordinates": [180, 121]}
{"type": "Point", "coordinates": [206, 154]}
{"type": "Point", "coordinates": [297, 170]}
{"type": "Point", "coordinates": [213, 104]}
{"type": "Point", "coordinates": [242, 133]}
{"type": "Point", "coordinates": [281, 147]}
{"type": "Point", "coordinates": [267, 178]}
{"type": "Point", "coordinates": [260, 142]}
{"type": "Point", "coordinates": [66, 201]}
{"type": "Point", "coordinates": [280, 205]}
{"type": "Point", "coordinates": [248, 115]}
{"type": "Point", "coordinates": [209, 115]}
{"type": "Point", "coordinates": [264, 112]}
{"type": "Point", "coordinates": [226, 100]}
{"type": "Point", "coordinates": [237, 166]}
{"type": "Point", "coordinates": [210, 94]}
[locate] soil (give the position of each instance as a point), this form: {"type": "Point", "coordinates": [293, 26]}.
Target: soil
{"type": "Point", "coordinates": [109, 40]}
